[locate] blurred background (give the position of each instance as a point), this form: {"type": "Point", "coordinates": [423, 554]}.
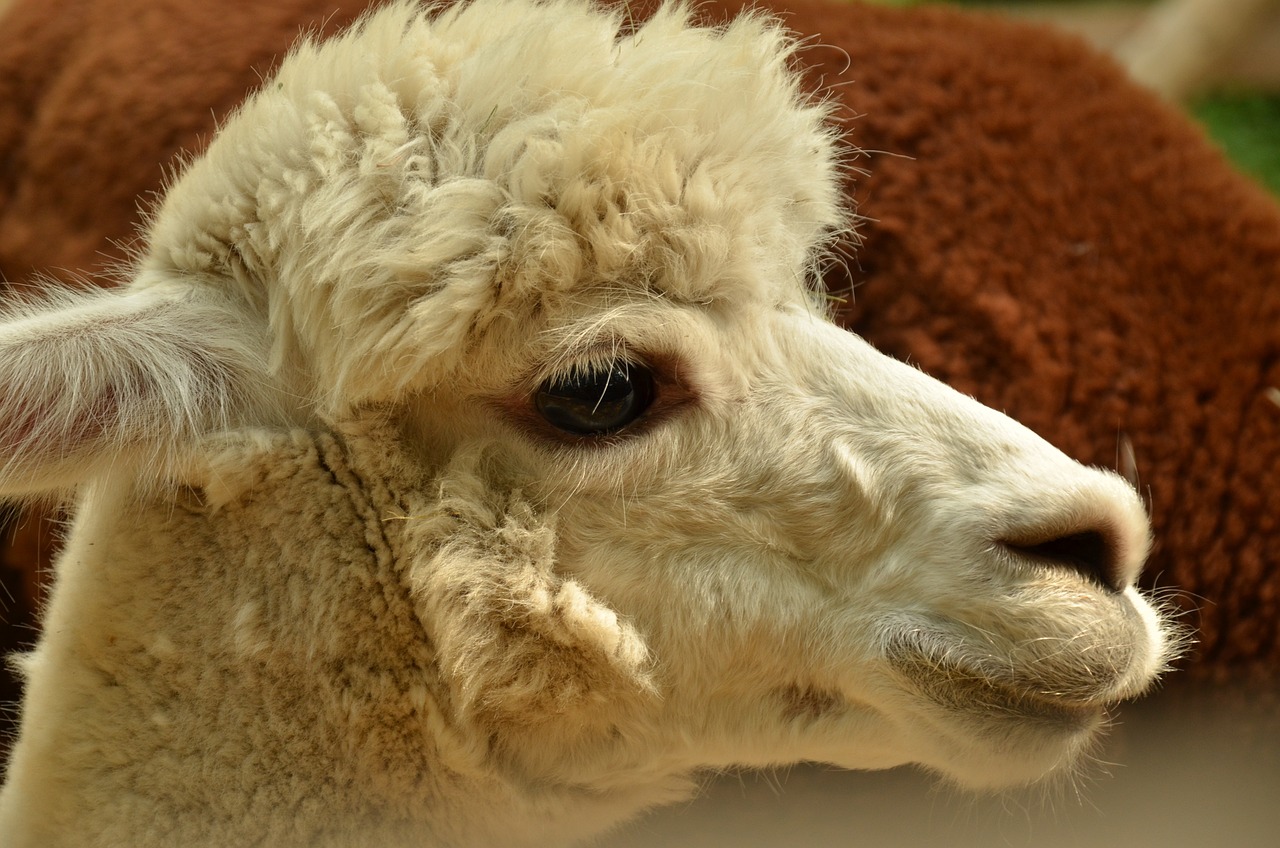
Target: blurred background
{"type": "Point", "coordinates": [1220, 59]}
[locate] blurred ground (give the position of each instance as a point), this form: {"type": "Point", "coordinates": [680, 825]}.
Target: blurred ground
{"type": "Point", "coordinates": [1185, 771]}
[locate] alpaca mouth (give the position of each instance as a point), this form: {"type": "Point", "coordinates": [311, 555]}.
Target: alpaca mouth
{"type": "Point", "coordinates": [966, 689]}
{"type": "Point", "coordinates": [1066, 690]}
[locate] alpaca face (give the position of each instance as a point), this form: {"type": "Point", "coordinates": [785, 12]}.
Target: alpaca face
{"type": "Point", "coordinates": [508, 309]}
{"type": "Point", "coordinates": [826, 554]}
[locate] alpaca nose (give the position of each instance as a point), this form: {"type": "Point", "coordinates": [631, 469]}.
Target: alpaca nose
{"type": "Point", "coordinates": [1094, 554]}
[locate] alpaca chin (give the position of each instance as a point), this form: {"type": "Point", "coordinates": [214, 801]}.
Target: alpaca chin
{"type": "Point", "coordinates": [1020, 699]}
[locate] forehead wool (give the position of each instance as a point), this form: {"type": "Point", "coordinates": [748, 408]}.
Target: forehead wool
{"type": "Point", "coordinates": [481, 161]}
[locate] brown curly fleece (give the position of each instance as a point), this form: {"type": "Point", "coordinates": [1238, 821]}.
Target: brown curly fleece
{"type": "Point", "coordinates": [1041, 234]}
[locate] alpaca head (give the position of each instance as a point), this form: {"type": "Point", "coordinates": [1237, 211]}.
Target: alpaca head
{"type": "Point", "coordinates": [654, 512]}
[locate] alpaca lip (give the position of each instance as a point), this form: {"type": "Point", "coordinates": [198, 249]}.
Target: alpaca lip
{"type": "Point", "coordinates": [945, 670]}
{"type": "Point", "coordinates": [968, 690]}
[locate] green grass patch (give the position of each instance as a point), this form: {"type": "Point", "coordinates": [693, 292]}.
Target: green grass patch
{"type": "Point", "coordinates": [1247, 126]}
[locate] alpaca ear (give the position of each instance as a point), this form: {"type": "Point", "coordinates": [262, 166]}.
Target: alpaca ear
{"type": "Point", "coordinates": [518, 643]}
{"type": "Point", "coordinates": [89, 380]}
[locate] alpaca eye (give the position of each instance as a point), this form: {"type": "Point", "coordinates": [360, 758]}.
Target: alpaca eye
{"type": "Point", "coordinates": [596, 401]}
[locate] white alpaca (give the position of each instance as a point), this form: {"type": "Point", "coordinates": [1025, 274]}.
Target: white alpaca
{"type": "Point", "coordinates": [470, 463]}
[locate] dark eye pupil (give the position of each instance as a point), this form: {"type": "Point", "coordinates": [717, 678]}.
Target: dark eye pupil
{"type": "Point", "coordinates": [596, 401]}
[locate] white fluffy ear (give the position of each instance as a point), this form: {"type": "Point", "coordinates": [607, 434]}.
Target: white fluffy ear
{"type": "Point", "coordinates": [89, 380]}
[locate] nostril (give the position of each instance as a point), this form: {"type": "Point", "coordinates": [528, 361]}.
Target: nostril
{"type": "Point", "coordinates": [1090, 553]}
